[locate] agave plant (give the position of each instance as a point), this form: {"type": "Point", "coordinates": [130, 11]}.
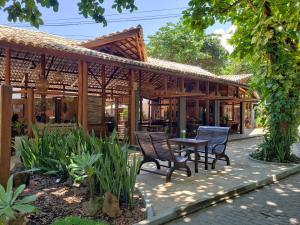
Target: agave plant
{"type": "Point", "coordinates": [10, 203]}
{"type": "Point", "coordinates": [83, 168]}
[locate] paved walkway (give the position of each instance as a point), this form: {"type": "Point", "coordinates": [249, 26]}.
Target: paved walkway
{"type": "Point", "coordinates": [274, 204]}
{"type": "Point", "coordinates": [183, 190]}
{"type": "Point", "coordinates": [247, 133]}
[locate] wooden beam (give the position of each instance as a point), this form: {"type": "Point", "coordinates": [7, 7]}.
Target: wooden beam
{"type": "Point", "coordinates": [95, 77]}
{"type": "Point", "coordinates": [85, 97]}
{"type": "Point", "coordinates": [117, 37]}
{"type": "Point", "coordinates": [30, 111]}
{"type": "Point", "coordinates": [5, 132]}
{"type": "Point", "coordinates": [131, 107]}
{"type": "Point", "coordinates": [103, 76]}
{"type": "Point", "coordinates": [80, 72]}
{"type": "Point", "coordinates": [112, 76]}
{"type": "Point", "coordinates": [139, 50]}
{"type": "Point", "coordinates": [7, 66]}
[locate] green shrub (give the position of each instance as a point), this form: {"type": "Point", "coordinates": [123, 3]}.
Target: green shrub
{"type": "Point", "coordinates": [11, 205]}
{"type": "Point", "coordinates": [75, 220]}
{"type": "Point", "coordinates": [117, 173]}
{"type": "Point", "coordinates": [84, 158]}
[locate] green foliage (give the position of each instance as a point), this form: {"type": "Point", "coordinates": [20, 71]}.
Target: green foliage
{"type": "Point", "coordinates": [179, 43]}
{"type": "Point", "coordinates": [83, 167]}
{"type": "Point", "coordinates": [75, 220]}
{"type": "Point", "coordinates": [29, 10]}
{"type": "Point", "coordinates": [101, 163]}
{"type": "Point", "coordinates": [10, 204]}
{"type": "Point", "coordinates": [267, 34]}
{"type": "Point", "coordinates": [117, 173]}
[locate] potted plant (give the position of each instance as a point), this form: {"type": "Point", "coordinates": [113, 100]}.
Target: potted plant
{"type": "Point", "coordinates": [13, 209]}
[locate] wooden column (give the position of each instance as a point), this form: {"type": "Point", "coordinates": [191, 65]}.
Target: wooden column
{"type": "Point", "coordinates": [206, 112]}
{"type": "Point", "coordinates": [116, 112]}
{"type": "Point", "coordinates": [197, 101]}
{"type": "Point", "coordinates": [43, 96]}
{"type": "Point", "coordinates": [5, 132]}
{"type": "Point", "coordinates": [80, 71]}
{"type": "Point", "coordinates": [242, 117]}
{"type": "Point", "coordinates": [140, 98]}
{"type": "Point", "coordinates": [131, 107]}
{"type": "Point", "coordinates": [103, 78]}
{"type": "Point", "coordinates": [7, 66]}
{"type": "Point", "coordinates": [217, 113]}
{"type": "Point", "coordinates": [85, 97]}
{"type": "Point", "coordinates": [30, 111]}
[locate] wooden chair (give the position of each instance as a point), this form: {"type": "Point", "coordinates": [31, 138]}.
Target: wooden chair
{"type": "Point", "coordinates": [217, 141]}
{"type": "Point", "coordinates": [154, 146]}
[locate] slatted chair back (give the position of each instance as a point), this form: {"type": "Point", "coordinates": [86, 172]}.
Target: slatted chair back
{"type": "Point", "coordinates": [144, 141]}
{"type": "Point", "coordinates": [214, 135]}
{"type": "Point", "coordinates": [161, 146]}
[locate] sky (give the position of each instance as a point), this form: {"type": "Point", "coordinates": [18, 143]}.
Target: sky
{"type": "Point", "coordinates": [151, 14]}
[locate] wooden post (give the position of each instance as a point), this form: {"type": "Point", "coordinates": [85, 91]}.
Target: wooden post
{"type": "Point", "coordinates": [79, 113]}
{"type": "Point", "coordinates": [242, 117]}
{"type": "Point", "coordinates": [103, 77]}
{"type": "Point", "coordinates": [207, 112]}
{"type": "Point", "coordinates": [30, 111]}
{"type": "Point", "coordinates": [207, 88]}
{"type": "Point", "coordinates": [131, 107]}
{"type": "Point", "coordinates": [140, 99]}
{"type": "Point", "coordinates": [43, 96]}
{"type": "Point", "coordinates": [217, 113]}
{"type": "Point", "coordinates": [5, 132]}
{"type": "Point", "coordinates": [7, 66]}
{"type": "Point", "coordinates": [85, 97]}
{"type": "Point", "coordinates": [116, 112]}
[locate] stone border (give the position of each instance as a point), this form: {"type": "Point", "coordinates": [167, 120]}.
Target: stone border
{"type": "Point", "coordinates": [179, 211]}
{"type": "Point", "coordinates": [147, 203]}
{"type": "Point", "coordinates": [270, 163]}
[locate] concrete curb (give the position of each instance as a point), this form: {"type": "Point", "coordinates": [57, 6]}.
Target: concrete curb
{"type": "Point", "coordinates": [270, 163]}
{"type": "Point", "coordinates": [245, 138]}
{"type": "Point", "coordinates": [147, 203]}
{"type": "Point", "coordinates": [171, 214]}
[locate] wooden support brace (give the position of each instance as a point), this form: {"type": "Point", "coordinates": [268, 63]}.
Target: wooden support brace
{"type": "Point", "coordinates": [103, 76]}
{"type": "Point", "coordinates": [80, 71]}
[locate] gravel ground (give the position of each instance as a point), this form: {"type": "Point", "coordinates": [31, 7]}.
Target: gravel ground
{"type": "Point", "coordinates": [61, 200]}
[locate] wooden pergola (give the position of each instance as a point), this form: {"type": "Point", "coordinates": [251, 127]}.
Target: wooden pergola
{"type": "Point", "coordinates": [113, 67]}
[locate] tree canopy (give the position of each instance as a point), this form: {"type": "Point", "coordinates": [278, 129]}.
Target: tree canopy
{"type": "Point", "coordinates": [28, 10]}
{"type": "Point", "coordinates": [177, 42]}
{"type": "Point", "coordinates": [267, 32]}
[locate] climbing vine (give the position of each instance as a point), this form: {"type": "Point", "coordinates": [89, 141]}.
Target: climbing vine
{"type": "Point", "coordinates": [267, 33]}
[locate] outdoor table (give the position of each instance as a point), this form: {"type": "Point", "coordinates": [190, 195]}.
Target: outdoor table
{"type": "Point", "coordinates": [193, 143]}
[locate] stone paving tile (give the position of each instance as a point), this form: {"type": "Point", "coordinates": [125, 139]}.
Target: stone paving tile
{"type": "Point", "coordinates": [274, 204]}
{"type": "Point", "coordinates": [185, 190]}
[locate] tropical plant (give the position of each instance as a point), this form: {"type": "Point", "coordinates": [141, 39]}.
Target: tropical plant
{"type": "Point", "coordinates": [83, 167]}
{"type": "Point", "coordinates": [178, 43]}
{"type": "Point", "coordinates": [117, 173]}
{"type": "Point", "coordinates": [11, 204]}
{"type": "Point", "coordinates": [267, 33]}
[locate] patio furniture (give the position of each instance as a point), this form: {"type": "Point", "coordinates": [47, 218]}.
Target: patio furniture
{"type": "Point", "coordinates": [217, 140]}
{"type": "Point", "coordinates": [154, 147]}
{"type": "Point", "coordinates": [196, 144]}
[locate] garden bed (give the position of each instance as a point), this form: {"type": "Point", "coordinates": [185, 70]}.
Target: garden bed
{"type": "Point", "coordinates": [60, 200]}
